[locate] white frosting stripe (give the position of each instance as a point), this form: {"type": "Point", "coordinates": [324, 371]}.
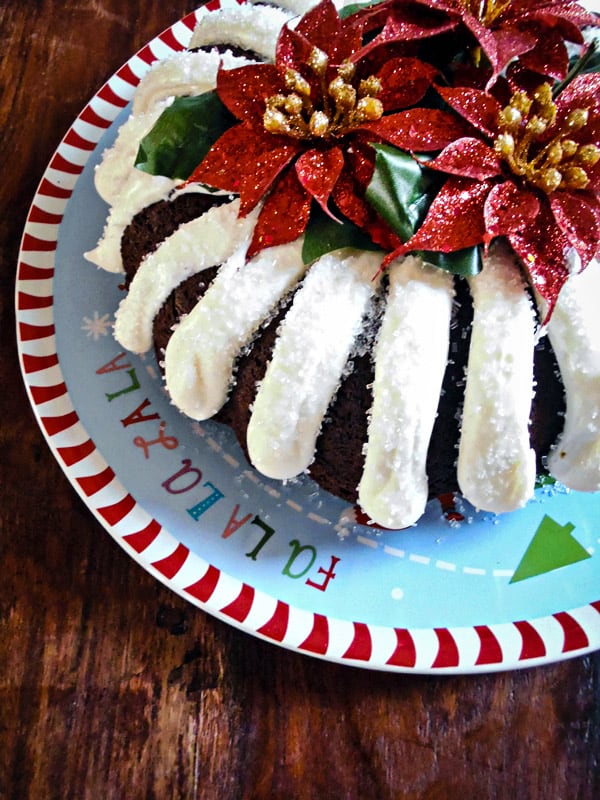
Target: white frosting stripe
{"type": "Point", "coordinates": [310, 354]}
{"type": "Point", "coordinates": [574, 331]}
{"type": "Point", "coordinates": [410, 361]}
{"type": "Point", "coordinates": [200, 355]}
{"type": "Point", "coordinates": [129, 190]}
{"type": "Point", "coordinates": [181, 74]}
{"type": "Point", "coordinates": [117, 166]}
{"type": "Point", "coordinates": [126, 189]}
{"type": "Point", "coordinates": [300, 7]}
{"type": "Point", "coordinates": [249, 27]}
{"type": "Point", "coordinates": [496, 465]}
{"type": "Point", "coordinates": [204, 242]}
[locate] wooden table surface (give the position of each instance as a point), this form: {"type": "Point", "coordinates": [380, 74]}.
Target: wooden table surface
{"type": "Point", "coordinates": [111, 686]}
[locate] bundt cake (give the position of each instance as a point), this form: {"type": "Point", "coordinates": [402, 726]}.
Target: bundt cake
{"type": "Point", "coordinates": [376, 266]}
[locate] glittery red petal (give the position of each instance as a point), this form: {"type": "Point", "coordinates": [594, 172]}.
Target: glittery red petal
{"type": "Point", "coordinates": [318, 172]}
{"type": "Point", "coordinates": [283, 217]}
{"type": "Point", "coordinates": [243, 90]}
{"type": "Point", "coordinates": [577, 218]}
{"type": "Point", "coordinates": [548, 57]}
{"type": "Point", "coordinates": [409, 22]}
{"type": "Point", "coordinates": [476, 106]}
{"type": "Point", "coordinates": [593, 174]}
{"type": "Point", "coordinates": [468, 157]}
{"type": "Point", "coordinates": [382, 235]}
{"type": "Point", "coordinates": [508, 209]}
{"type": "Point", "coordinates": [542, 247]}
{"type": "Point", "coordinates": [358, 211]}
{"type": "Point", "coordinates": [360, 162]}
{"type": "Point", "coordinates": [404, 82]}
{"type": "Point", "coordinates": [566, 16]}
{"type": "Point", "coordinates": [419, 129]}
{"type": "Point", "coordinates": [347, 43]}
{"type": "Point", "coordinates": [321, 25]}
{"type": "Point", "coordinates": [350, 203]}
{"type": "Point", "coordinates": [502, 44]}
{"type": "Point", "coordinates": [582, 92]}
{"type": "Point", "coordinates": [245, 162]}
{"type": "Point", "coordinates": [292, 50]}
{"type": "Point", "coordinates": [455, 218]}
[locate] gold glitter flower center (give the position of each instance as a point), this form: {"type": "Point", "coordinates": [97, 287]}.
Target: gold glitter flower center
{"type": "Point", "coordinates": [486, 11]}
{"type": "Point", "coordinates": [343, 107]}
{"type": "Point", "coordinates": [539, 149]}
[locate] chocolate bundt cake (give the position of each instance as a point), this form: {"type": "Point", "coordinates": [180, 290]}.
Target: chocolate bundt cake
{"type": "Point", "coordinates": [389, 386]}
{"type": "Point", "coordinates": [338, 461]}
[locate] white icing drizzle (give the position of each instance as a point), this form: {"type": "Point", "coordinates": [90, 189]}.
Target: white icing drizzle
{"type": "Point", "coordinates": [249, 27]}
{"type": "Point", "coordinates": [200, 355]}
{"type": "Point", "coordinates": [181, 74]}
{"type": "Point", "coordinates": [112, 174]}
{"type": "Point", "coordinates": [315, 340]}
{"type": "Point", "coordinates": [300, 7]}
{"type": "Point", "coordinates": [410, 361]}
{"type": "Point", "coordinates": [204, 242]}
{"type": "Point", "coordinates": [496, 465]}
{"type": "Point", "coordinates": [574, 331]}
{"type": "Point", "coordinates": [126, 189]}
{"type": "Point", "coordinates": [129, 190]}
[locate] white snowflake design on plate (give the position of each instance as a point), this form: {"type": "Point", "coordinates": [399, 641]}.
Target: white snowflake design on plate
{"type": "Point", "coordinates": [97, 326]}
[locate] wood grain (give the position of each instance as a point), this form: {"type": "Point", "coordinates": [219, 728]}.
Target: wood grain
{"type": "Point", "coordinates": [113, 687]}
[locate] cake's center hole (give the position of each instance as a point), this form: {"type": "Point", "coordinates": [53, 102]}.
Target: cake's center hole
{"type": "Point", "coordinates": [540, 149]}
{"type": "Point", "coordinates": [341, 105]}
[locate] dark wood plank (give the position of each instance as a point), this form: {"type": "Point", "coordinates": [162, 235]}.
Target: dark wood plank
{"type": "Point", "coordinates": [112, 686]}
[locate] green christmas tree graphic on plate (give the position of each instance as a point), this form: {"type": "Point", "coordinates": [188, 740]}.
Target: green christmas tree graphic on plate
{"type": "Point", "coordinates": [553, 546]}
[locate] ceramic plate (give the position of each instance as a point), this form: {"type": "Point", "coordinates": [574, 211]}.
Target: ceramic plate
{"type": "Point", "coordinates": [460, 592]}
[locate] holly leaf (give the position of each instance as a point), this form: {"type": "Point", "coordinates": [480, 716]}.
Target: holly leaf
{"type": "Point", "coordinates": [324, 234]}
{"type": "Point", "coordinates": [467, 262]}
{"type": "Point", "coordinates": [353, 8]}
{"type": "Point", "coordinates": [401, 191]}
{"type": "Point", "coordinates": [592, 64]}
{"type": "Point", "coordinates": [183, 135]}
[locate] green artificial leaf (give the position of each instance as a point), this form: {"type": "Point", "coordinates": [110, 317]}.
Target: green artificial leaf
{"type": "Point", "coordinates": [592, 63]}
{"type": "Point", "coordinates": [465, 262]}
{"type": "Point", "coordinates": [401, 191]}
{"type": "Point", "coordinates": [183, 135]}
{"type": "Point", "coordinates": [323, 235]}
{"type": "Point", "coordinates": [353, 8]}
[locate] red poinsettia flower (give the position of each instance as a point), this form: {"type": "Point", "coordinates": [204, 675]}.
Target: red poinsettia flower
{"type": "Point", "coordinates": [305, 124]}
{"type": "Point", "coordinates": [533, 30]}
{"type": "Point", "coordinates": [532, 175]}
